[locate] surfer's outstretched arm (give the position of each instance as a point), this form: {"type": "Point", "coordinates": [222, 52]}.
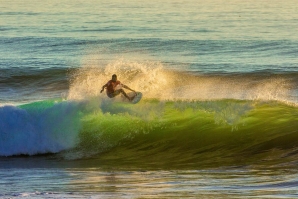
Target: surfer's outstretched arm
{"type": "Point", "coordinates": [103, 88]}
{"type": "Point", "coordinates": [124, 86]}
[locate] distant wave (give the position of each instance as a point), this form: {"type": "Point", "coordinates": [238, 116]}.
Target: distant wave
{"type": "Point", "coordinates": [25, 84]}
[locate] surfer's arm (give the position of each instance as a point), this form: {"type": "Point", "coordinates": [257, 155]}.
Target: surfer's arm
{"type": "Point", "coordinates": [103, 87]}
{"type": "Point", "coordinates": [124, 86]}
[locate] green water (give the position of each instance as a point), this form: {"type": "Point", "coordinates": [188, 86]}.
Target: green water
{"type": "Point", "coordinates": [195, 133]}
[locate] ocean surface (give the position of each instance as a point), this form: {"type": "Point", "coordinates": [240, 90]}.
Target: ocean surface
{"type": "Point", "coordinates": [218, 117]}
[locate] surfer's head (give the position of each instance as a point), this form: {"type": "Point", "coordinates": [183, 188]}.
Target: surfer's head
{"type": "Point", "coordinates": [114, 78]}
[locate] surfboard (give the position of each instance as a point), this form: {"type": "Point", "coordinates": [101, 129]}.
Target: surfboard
{"type": "Point", "coordinates": [137, 96]}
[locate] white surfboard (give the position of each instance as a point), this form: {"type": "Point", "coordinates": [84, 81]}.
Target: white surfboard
{"type": "Point", "coordinates": [138, 96]}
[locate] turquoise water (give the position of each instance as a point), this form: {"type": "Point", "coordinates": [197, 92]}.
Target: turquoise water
{"type": "Point", "coordinates": [218, 117]}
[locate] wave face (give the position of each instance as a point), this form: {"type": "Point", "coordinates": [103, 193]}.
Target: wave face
{"type": "Point", "coordinates": [38, 128]}
{"type": "Point", "coordinates": [193, 132]}
{"type": "Point", "coordinates": [190, 132]}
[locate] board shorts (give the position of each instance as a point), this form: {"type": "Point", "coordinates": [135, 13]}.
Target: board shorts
{"type": "Point", "coordinates": [115, 93]}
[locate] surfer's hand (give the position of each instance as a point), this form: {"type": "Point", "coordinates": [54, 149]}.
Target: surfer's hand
{"type": "Point", "coordinates": [101, 91]}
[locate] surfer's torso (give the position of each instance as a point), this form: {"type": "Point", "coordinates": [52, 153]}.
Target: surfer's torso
{"type": "Point", "coordinates": [111, 85]}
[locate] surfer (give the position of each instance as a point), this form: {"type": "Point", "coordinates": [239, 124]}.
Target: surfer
{"type": "Point", "coordinates": [111, 88]}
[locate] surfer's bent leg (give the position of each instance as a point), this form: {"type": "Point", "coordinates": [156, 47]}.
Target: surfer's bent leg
{"type": "Point", "coordinates": [114, 94]}
{"type": "Point", "coordinates": [117, 92]}
{"type": "Point", "coordinates": [123, 93]}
